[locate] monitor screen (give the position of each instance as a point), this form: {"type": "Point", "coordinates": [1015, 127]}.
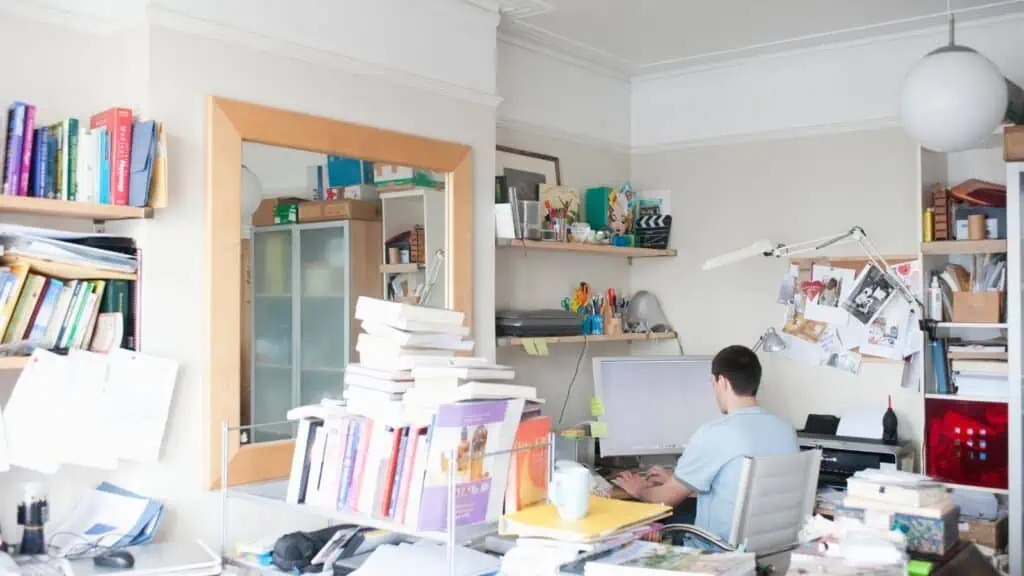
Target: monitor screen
{"type": "Point", "coordinates": [653, 404]}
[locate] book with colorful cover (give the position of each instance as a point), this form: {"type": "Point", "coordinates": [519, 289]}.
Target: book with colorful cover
{"type": "Point", "coordinates": [118, 122]}
{"type": "Point", "coordinates": [481, 434]}
{"type": "Point", "coordinates": [15, 140]}
{"type": "Point", "coordinates": [528, 474]}
{"type": "Point", "coordinates": [28, 135]}
{"type": "Point", "coordinates": [396, 482]}
{"type": "Point", "coordinates": [365, 432]}
{"type": "Point", "coordinates": [348, 463]}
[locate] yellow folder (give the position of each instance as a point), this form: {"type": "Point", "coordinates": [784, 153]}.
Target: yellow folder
{"type": "Point", "coordinates": [605, 518]}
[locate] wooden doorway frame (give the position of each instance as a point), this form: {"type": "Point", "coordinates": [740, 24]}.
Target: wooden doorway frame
{"type": "Point", "coordinates": [228, 124]}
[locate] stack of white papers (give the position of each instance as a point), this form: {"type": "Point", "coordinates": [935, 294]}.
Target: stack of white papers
{"type": "Point", "coordinates": [428, 558]}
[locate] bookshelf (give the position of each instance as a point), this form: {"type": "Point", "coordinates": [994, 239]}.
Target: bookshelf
{"type": "Point", "coordinates": [949, 247]}
{"type": "Point", "coordinates": [581, 248]}
{"type": "Point", "coordinates": [66, 209]}
{"type": "Point", "coordinates": [649, 337]}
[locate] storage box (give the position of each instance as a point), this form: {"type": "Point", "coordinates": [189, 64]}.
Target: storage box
{"type": "Point", "coordinates": [364, 192]}
{"type": "Point", "coordinates": [925, 535]}
{"type": "Point", "coordinates": [342, 172]}
{"type": "Point", "coordinates": [272, 211]}
{"type": "Point", "coordinates": [980, 307]}
{"type": "Point", "coordinates": [338, 210]}
{"type": "Point", "coordinates": [991, 533]}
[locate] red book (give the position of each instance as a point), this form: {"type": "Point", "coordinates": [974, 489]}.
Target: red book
{"type": "Point", "coordinates": [118, 122]}
{"type": "Point", "coordinates": [389, 478]}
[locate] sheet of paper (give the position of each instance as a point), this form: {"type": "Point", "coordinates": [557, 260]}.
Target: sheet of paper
{"type": "Point", "coordinates": [34, 428]}
{"type": "Point", "coordinates": [836, 285]}
{"type": "Point", "coordinates": [88, 412]}
{"type": "Point", "coordinates": [141, 388]}
{"type": "Point", "coordinates": [888, 334]}
{"type": "Point", "coordinates": [912, 372]}
{"type": "Point", "coordinates": [800, 350]}
{"type": "Point", "coordinates": [861, 423]}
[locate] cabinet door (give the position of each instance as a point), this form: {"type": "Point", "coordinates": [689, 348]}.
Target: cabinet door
{"type": "Point", "coordinates": [272, 332]}
{"type": "Point", "coordinates": [324, 299]}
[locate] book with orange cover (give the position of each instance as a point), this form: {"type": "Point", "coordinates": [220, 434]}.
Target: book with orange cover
{"type": "Point", "coordinates": [527, 476]}
{"type": "Point", "coordinates": [606, 517]}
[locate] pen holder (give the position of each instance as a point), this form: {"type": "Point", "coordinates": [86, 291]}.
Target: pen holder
{"type": "Point", "coordinates": [596, 325]}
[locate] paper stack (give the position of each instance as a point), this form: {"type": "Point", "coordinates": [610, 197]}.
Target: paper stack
{"type": "Point", "coordinates": [887, 500]}
{"type": "Point", "coordinates": [981, 378]}
{"type": "Point", "coordinates": [461, 380]}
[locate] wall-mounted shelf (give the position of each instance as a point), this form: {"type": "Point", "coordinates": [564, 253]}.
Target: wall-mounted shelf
{"type": "Point", "coordinates": [14, 362]}
{"type": "Point", "coordinates": [401, 268]}
{"type": "Point", "coordinates": [66, 209]}
{"type": "Point", "coordinates": [964, 247]}
{"type": "Point", "coordinates": [963, 398]}
{"type": "Point", "coordinates": [978, 355]}
{"type": "Point", "coordinates": [581, 248]}
{"type": "Point", "coordinates": [507, 341]}
{"type": "Point", "coordinates": [979, 325]}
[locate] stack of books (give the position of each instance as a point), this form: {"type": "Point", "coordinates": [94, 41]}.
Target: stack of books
{"type": "Point", "coordinates": [981, 378]}
{"type": "Point", "coordinates": [915, 505]}
{"type": "Point", "coordinates": [380, 456]}
{"type": "Point", "coordinates": [109, 159]}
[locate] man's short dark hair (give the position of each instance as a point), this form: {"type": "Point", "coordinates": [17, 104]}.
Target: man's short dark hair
{"type": "Point", "coordinates": [740, 366]}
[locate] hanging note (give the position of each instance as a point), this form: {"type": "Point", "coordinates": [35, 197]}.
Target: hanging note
{"type": "Point", "coordinates": [596, 407]}
{"type": "Point", "coordinates": [598, 429]}
{"type": "Point", "coordinates": [542, 347]}
{"type": "Point", "coordinates": [530, 346]}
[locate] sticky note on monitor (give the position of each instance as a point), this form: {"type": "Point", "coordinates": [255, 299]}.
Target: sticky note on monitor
{"type": "Point", "coordinates": [596, 407]}
{"type": "Point", "coordinates": [598, 429]}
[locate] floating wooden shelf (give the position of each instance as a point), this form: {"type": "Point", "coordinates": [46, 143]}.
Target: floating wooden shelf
{"type": "Point", "coordinates": [401, 268]}
{"type": "Point", "coordinates": [66, 209]}
{"type": "Point", "coordinates": [978, 356]}
{"type": "Point", "coordinates": [580, 247]}
{"type": "Point", "coordinates": [14, 362]}
{"type": "Point", "coordinates": [964, 247]}
{"type": "Point", "coordinates": [506, 341]}
{"type": "Point", "coordinates": [982, 325]}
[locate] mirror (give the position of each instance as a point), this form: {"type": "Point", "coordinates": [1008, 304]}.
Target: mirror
{"type": "Point", "coordinates": [318, 232]}
{"type": "Point", "coordinates": [304, 215]}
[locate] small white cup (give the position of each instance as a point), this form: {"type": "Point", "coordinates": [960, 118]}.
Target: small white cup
{"type": "Point", "coordinates": [570, 492]}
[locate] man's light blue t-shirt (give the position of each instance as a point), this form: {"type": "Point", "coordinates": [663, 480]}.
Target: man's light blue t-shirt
{"type": "Point", "coordinates": [713, 460]}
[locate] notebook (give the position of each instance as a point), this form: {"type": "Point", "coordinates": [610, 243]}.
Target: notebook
{"type": "Point", "coordinates": [605, 518]}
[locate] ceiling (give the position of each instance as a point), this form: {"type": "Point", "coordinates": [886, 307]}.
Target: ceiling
{"type": "Point", "coordinates": [638, 37]}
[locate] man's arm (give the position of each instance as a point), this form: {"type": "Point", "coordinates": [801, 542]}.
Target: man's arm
{"type": "Point", "coordinates": [671, 492]}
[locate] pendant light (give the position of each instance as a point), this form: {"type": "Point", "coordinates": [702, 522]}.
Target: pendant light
{"type": "Point", "coordinates": [953, 98]}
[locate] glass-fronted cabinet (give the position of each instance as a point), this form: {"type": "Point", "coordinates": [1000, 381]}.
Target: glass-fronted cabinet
{"type": "Point", "coordinates": [302, 306]}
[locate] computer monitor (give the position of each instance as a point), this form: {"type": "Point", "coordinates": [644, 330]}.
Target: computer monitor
{"type": "Point", "coordinates": [653, 404]}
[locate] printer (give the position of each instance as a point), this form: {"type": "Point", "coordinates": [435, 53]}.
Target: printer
{"type": "Point", "coordinates": [843, 456]}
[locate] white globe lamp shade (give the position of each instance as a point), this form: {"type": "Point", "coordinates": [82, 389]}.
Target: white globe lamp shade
{"type": "Point", "coordinates": [953, 99]}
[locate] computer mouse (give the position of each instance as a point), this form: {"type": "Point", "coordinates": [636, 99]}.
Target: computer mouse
{"type": "Point", "coordinates": [114, 559]}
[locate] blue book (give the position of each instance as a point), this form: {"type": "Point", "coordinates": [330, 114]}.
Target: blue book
{"type": "Point", "coordinates": [15, 141]}
{"type": "Point", "coordinates": [348, 464]}
{"type": "Point", "coordinates": [396, 482]}
{"type": "Point", "coordinates": [939, 365]}
{"type": "Point", "coordinates": [43, 317]}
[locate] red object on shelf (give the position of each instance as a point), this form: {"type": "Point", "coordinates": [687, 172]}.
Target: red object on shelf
{"type": "Point", "coordinates": [966, 442]}
{"type": "Point", "coordinates": [118, 122]}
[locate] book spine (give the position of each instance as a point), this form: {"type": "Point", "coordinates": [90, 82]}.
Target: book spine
{"type": "Point", "coordinates": [12, 160]}
{"type": "Point", "coordinates": [50, 184]}
{"type": "Point", "coordinates": [389, 476]}
{"type": "Point", "coordinates": [407, 469]}
{"type": "Point", "coordinates": [60, 187]}
{"type": "Point", "coordinates": [46, 310]}
{"type": "Point", "coordinates": [348, 464]}
{"type": "Point", "coordinates": [118, 122]}
{"type": "Point", "coordinates": [396, 482]}
{"type": "Point", "coordinates": [104, 167]}
{"type": "Point", "coordinates": [71, 134]}
{"type": "Point", "coordinates": [28, 135]}
{"type": "Point", "coordinates": [359, 467]}
{"type": "Point", "coordinates": [38, 154]}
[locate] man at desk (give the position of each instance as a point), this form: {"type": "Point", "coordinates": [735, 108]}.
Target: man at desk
{"type": "Point", "coordinates": [710, 467]}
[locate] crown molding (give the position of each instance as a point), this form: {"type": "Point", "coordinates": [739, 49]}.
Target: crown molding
{"type": "Point", "coordinates": [784, 134]}
{"type": "Point", "coordinates": [564, 49]}
{"type": "Point", "coordinates": [557, 134]}
{"type": "Point", "coordinates": [81, 16]}
{"type": "Point", "coordinates": [492, 6]}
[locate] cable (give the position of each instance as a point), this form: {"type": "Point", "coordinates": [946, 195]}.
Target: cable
{"type": "Point", "coordinates": [575, 373]}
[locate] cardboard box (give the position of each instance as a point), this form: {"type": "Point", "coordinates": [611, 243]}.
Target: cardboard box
{"type": "Point", "coordinates": [981, 307]}
{"type": "Point", "coordinates": [329, 210]}
{"type": "Point", "coordinates": [272, 211]}
{"type": "Point", "coordinates": [991, 533]}
{"type": "Point", "coordinates": [364, 192]}
{"type": "Point", "coordinates": [1013, 143]}
{"type": "Point", "coordinates": [925, 535]}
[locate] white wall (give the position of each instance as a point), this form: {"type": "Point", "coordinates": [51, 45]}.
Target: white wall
{"type": "Point", "coordinates": [835, 87]}
{"type": "Point", "coordinates": [185, 63]}
{"type": "Point", "coordinates": [726, 197]}
{"type": "Point", "coordinates": [556, 97]}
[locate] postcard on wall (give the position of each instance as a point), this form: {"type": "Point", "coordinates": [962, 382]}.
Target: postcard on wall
{"type": "Point", "coordinates": [888, 335]}
{"type": "Point", "coordinates": [807, 330]}
{"type": "Point", "coordinates": [870, 294]}
{"type": "Point", "coordinates": [833, 286]}
{"type": "Point", "coordinates": [846, 361]}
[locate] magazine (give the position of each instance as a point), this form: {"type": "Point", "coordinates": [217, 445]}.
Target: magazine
{"type": "Point", "coordinates": [657, 559]}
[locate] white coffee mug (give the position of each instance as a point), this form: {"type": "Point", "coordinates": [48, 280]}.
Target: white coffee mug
{"type": "Point", "coordinates": [570, 492]}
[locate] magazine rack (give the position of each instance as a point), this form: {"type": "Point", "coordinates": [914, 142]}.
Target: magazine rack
{"type": "Point", "coordinates": [274, 493]}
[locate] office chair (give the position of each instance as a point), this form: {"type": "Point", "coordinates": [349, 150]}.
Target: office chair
{"type": "Point", "coordinates": [775, 498]}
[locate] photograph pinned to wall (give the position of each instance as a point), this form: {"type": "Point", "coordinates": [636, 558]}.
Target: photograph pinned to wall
{"type": "Point", "coordinates": [831, 287]}
{"type": "Point", "coordinates": [845, 361]}
{"type": "Point", "coordinates": [870, 294]}
{"type": "Point", "coordinates": [806, 330]}
{"type": "Point", "coordinates": [787, 287]}
{"type": "Point", "coordinates": [526, 171]}
{"type": "Point", "coordinates": [888, 335]}
{"type": "Point", "coordinates": [910, 274]}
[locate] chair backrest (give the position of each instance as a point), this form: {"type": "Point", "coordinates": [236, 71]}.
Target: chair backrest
{"type": "Point", "coordinates": [776, 496]}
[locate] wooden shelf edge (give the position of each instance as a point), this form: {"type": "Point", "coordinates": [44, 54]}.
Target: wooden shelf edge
{"type": "Point", "coordinates": [68, 209]}
{"type": "Point", "coordinates": [978, 325]}
{"type": "Point", "coordinates": [401, 268]}
{"type": "Point", "coordinates": [14, 362]}
{"type": "Point", "coordinates": [581, 248]}
{"type": "Point", "coordinates": [961, 398]}
{"type": "Point", "coordinates": [651, 337]}
{"type": "Point", "coordinates": [947, 247]}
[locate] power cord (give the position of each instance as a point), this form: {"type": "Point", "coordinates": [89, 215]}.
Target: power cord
{"type": "Point", "coordinates": [575, 374]}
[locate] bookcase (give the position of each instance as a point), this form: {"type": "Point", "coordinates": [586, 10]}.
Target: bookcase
{"type": "Point", "coordinates": [305, 282]}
